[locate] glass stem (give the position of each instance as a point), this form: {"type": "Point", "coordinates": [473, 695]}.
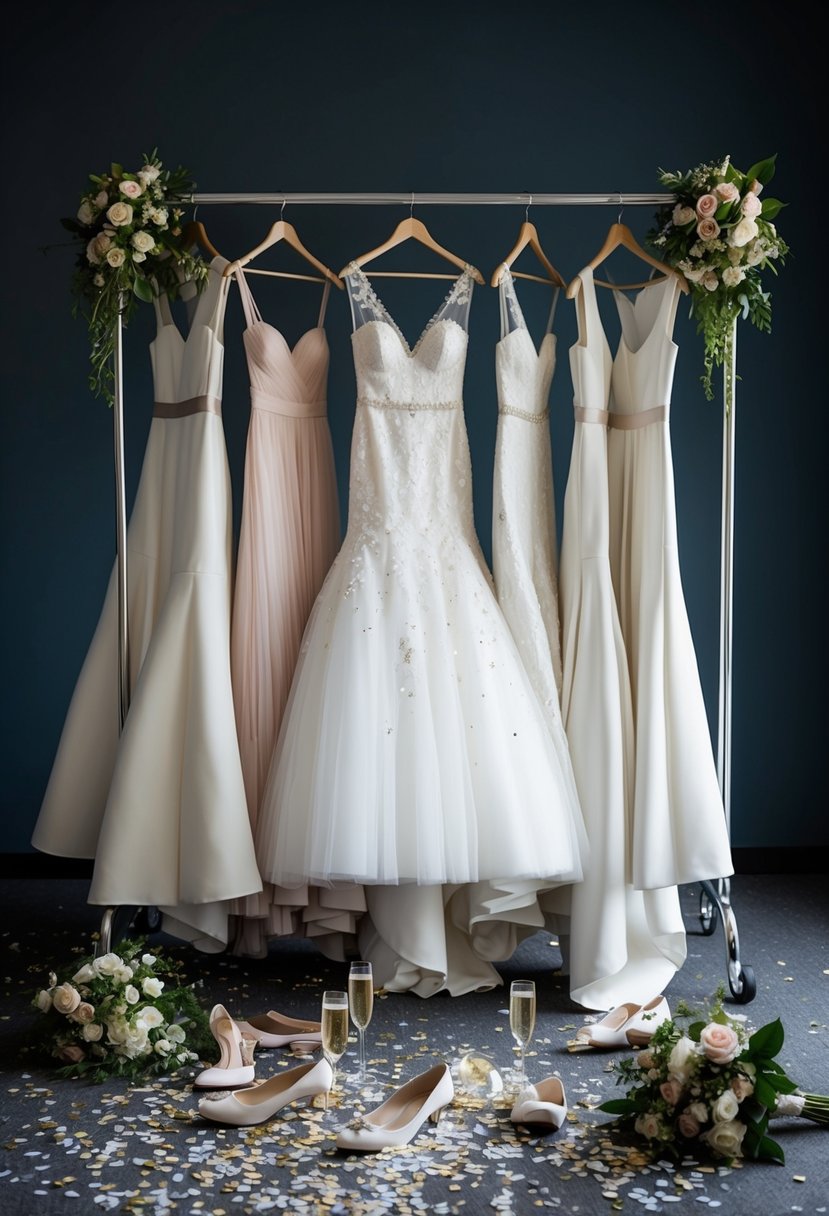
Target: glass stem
{"type": "Point", "coordinates": [523, 1072]}
{"type": "Point", "coordinates": [361, 1066]}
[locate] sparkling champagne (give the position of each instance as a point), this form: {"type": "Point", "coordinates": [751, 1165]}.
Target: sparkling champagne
{"type": "Point", "coordinates": [334, 1030]}
{"type": "Point", "coordinates": [522, 1016]}
{"type": "Point", "coordinates": [361, 999]}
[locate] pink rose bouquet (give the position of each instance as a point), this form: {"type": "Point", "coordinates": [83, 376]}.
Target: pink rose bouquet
{"type": "Point", "coordinates": [711, 1086]}
{"type": "Point", "coordinates": [721, 237]}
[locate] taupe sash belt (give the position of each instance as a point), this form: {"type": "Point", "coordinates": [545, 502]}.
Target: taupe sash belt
{"type": "Point", "coordinates": [621, 422]}
{"type": "Point", "coordinates": [183, 409]}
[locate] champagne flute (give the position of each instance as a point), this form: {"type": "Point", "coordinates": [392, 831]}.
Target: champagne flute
{"type": "Point", "coordinates": [361, 1006]}
{"type": "Point", "coordinates": [522, 1020]}
{"type": "Point", "coordinates": [334, 1029]}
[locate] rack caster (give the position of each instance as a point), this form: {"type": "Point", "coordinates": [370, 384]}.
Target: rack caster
{"type": "Point", "coordinates": [117, 923]}
{"type": "Point", "coordinates": [715, 903]}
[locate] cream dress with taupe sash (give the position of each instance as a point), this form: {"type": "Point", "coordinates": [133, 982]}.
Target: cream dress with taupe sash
{"type": "Point", "coordinates": [163, 809]}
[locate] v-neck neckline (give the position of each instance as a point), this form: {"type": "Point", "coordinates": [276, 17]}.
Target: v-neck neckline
{"type": "Point", "coordinates": [387, 319]}
{"type": "Point", "coordinates": [623, 344]}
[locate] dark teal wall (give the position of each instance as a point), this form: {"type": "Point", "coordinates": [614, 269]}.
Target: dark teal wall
{"type": "Point", "coordinates": [538, 96]}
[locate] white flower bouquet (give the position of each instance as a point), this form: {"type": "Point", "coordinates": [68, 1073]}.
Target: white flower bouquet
{"type": "Point", "coordinates": [711, 1086]}
{"type": "Point", "coordinates": [126, 1014]}
{"type": "Point", "coordinates": [131, 247]}
{"type": "Point", "coordinates": [721, 236]}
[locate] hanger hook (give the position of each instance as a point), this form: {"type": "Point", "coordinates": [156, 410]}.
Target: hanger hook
{"type": "Point", "coordinates": [411, 207]}
{"type": "Point", "coordinates": [195, 212]}
{"type": "Point", "coordinates": [621, 207]}
{"type": "Point", "coordinates": [527, 210]}
{"type": "Point", "coordinates": [282, 208]}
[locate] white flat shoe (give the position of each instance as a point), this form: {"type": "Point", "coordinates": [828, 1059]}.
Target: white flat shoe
{"type": "Point", "coordinates": [235, 1066]}
{"type": "Point", "coordinates": [400, 1117]}
{"type": "Point", "coordinates": [246, 1107]}
{"type": "Point", "coordinates": [541, 1105]}
{"type": "Point", "coordinates": [277, 1030]}
{"type": "Point", "coordinates": [627, 1025]}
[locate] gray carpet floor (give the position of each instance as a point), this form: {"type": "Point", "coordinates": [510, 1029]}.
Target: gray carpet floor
{"type": "Point", "coordinates": [71, 1147]}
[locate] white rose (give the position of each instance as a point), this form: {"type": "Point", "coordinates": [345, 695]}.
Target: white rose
{"type": "Point", "coordinates": [726, 1138]}
{"type": "Point", "coordinates": [751, 206]}
{"type": "Point", "coordinates": [143, 242]}
{"type": "Point", "coordinates": [85, 213]}
{"type": "Point", "coordinates": [733, 275]}
{"type": "Point", "coordinates": [120, 214]}
{"type": "Point", "coordinates": [124, 974]}
{"type": "Point", "coordinates": [648, 1125]}
{"type": "Point", "coordinates": [92, 1032]}
{"type": "Point", "coordinates": [150, 1018]}
{"type": "Point", "coordinates": [117, 1030]}
{"type": "Point", "coordinates": [139, 257]}
{"type": "Point", "coordinates": [148, 174]}
{"type": "Point", "coordinates": [755, 253]}
{"type": "Point", "coordinates": [101, 199]}
{"type": "Point", "coordinates": [683, 1059]}
{"type": "Point", "coordinates": [107, 964]}
{"type": "Point", "coordinates": [699, 1111]}
{"type": "Point", "coordinates": [116, 257]}
{"type": "Point", "coordinates": [159, 216]}
{"type": "Point", "coordinates": [84, 1013]}
{"type": "Point", "coordinates": [85, 974]}
{"type": "Point", "coordinates": [683, 215]}
{"type": "Point", "coordinates": [710, 281]}
{"type": "Point", "coordinates": [163, 1047]}
{"type": "Point", "coordinates": [148, 959]}
{"type": "Point", "coordinates": [727, 191]}
{"type": "Point", "coordinates": [131, 994]}
{"type": "Point", "coordinates": [43, 1001]}
{"type": "Point", "coordinates": [131, 189]}
{"type": "Point", "coordinates": [725, 1107]}
{"type": "Point", "coordinates": [136, 1043]}
{"type": "Point", "coordinates": [694, 276]}
{"type": "Point", "coordinates": [175, 1033]}
{"type": "Point", "coordinates": [151, 986]}
{"type": "Point", "coordinates": [66, 999]}
{"type": "Point", "coordinates": [95, 251]}
{"type": "Point", "coordinates": [743, 232]}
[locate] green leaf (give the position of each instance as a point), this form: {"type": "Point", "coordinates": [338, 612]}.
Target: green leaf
{"type": "Point", "coordinates": [734, 175]}
{"type": "Point", "coordinates": [771, 208]}
{"type": "Point", "coordinates": [770, 1150]}
{"type": "Point", "coordinates": [618, 1106]}
{"type": "Point", "coordinates": [722, 211]}
{"type": "Point", "coordinates": [695, 1031]}
{"type": "Point", "coordinates": [763, 171]}
{"type": "Point", "coordinates": [115, 169]}
{"type": "Point", "coordinates": [765, 1093]}
{"type": "Point", "coordinates": [768, 1040]}
{"type": "Point", "coordinates": [142, 289]}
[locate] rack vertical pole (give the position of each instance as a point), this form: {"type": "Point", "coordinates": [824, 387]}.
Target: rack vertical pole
{"type": "Point", "coordinates": [105, 942]}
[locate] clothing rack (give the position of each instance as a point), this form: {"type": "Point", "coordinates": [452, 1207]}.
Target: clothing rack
{"type": "Point", "coordinates": [715, 898]}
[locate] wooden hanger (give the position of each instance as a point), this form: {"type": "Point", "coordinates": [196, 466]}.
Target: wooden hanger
{"type": "Point", "coordinates": [283, 231]}
{"type": "Point", "coordinates": [527, 235]}
{"type": "Point", "coordinates": [195, 233]}
{"type": "Point", "coordinates": [620, 235]}
{"type": "Point", "coordinates": [415, 230]}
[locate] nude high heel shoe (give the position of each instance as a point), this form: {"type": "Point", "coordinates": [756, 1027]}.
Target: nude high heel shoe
{"type": "Point", "coordinates": [542, 1105]}
{"type": "Point", "coordinates": [246, 1107]}
{"type": "Point", "coordinates": [235, 1066]}
{"type": "Point", "coordinates": [627, 1025]}
{"type": "Point", "coordinates": [278, 1030]}
{"type": "Point", "coordinates": [401, 1116]}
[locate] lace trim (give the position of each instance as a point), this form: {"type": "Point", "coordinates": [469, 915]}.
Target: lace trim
{"type": "Point", "coordinates": [459, 293]}
{"type": "Point", "coordinates": [512, 299]}
{"type": "Point", "coordinates": [386, 403]}
{"type": "Point", "coordinates": [527, 415]}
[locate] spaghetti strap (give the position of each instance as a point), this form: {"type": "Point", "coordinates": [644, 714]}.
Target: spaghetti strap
{"type": "Point", "coordinates": [551, 318]}
{"type": "Point", "coordinates": [163, 315]}
{"type": "Point", "coordinates": [251, 308]}
{"type": "Point", "coordinates": [326, 292]}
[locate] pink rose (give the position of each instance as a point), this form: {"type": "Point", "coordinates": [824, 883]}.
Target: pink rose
{"type": "Point", "coordinates": [742, 1087]}
{"type": "Point", "coordinates": [707, 205]}
{"type": "Point", "coordinates": [84, 1013]}
{"type": "Point", "coordinates": [707, 230]}
{"type": "Point", "coordinates": [720, 1043]}
{"type": "Point", "coordinates": [752, 206]}
{"type": "Point", "coordinates": [70, 1053]}
{"type": "Point", "coordinates": [131, 189]}
{"type": "Point", "coordinates": [727, 192]}
{"type": "Point", "coordinates": [688, 1125]}
{"type": "Point", "coordinates": [671, 1091]}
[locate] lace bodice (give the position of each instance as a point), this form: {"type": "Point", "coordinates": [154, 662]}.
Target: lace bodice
{"type": "Point", "coordinates": [410, 466]}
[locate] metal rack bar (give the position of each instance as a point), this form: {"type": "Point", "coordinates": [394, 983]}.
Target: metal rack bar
{"type": "Point", "coordinates": [715, 898]}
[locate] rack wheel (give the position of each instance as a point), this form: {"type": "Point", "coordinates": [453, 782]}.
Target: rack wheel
{"type": "Point", "coordinates": [708, 917]}
{"type": "Point", "coordinates": [746, 988]}
{"type": "Point", "coordinates": [148, 920]}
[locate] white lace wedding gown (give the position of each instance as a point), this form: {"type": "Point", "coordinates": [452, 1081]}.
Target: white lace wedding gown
{"type": "Point", "coordinates": [413, 749]}
{"type": "Point", "coordinates": [163, 810]}
{"type": "Point", "coordinates": [631, 695]}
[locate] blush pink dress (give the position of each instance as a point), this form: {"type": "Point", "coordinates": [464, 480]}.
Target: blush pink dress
{"type": "Point", "coordinates": [289, 537]}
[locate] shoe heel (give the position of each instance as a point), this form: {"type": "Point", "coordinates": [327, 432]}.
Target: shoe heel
{"type": "Point", "coordinates": [435, 1116]}
{"type": "Point", "coordinates": [638, 1038]}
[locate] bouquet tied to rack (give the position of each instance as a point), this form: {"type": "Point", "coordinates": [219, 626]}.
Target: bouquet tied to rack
{"type": "Point", "coordinates": [720, 234]}
{"type": "Point", "coordinates": [706, 1084]}
{"type": "Point", "coordinates": [131, 248]}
